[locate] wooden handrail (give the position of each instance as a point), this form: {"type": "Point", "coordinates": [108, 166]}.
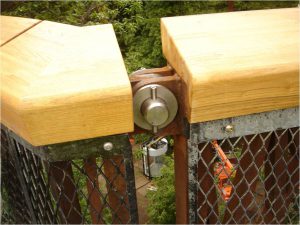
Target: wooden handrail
{"type": "Point", "coordinates": [63, 83]}
{"type": "Point", "coordinates": [235, 63]}
{"type": "Point", "coordinates": [14, 26]}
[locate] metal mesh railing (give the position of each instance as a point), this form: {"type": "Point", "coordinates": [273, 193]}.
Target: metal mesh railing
{"type": "Point", "coordinates": [95, 189]}
{"type": "Point", "coordinates": [245, 179]}
{"type": "Point", "coordinates": [13, 203]}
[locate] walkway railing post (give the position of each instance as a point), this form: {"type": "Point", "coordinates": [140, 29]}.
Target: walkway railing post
{"type": "Point", "coordinates": [65, 95]}
{"type": "Point", "coordinates": [243, 96]}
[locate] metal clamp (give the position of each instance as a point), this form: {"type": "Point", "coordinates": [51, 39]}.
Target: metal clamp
{"type": "Point", "coordinates": [155, 107]}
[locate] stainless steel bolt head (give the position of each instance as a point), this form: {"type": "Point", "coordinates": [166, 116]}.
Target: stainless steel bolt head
{"type": "Point", "coordinates": [229, 128]}
{"type": "Point", "coordinates": [155, 112]}
{"type": "Point", "coordinates": [154, 106]}
{"type": "Point", "coordinates": [108, 146]}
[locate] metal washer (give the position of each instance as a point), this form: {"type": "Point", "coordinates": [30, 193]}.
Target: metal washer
{"type": "Point", "coordinates": [143, 94]}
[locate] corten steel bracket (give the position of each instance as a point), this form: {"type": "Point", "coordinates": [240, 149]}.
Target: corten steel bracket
{"type": "Point", "coordinates": [166, 77]}
{"type": "Point", "coordinates": [179, 128]}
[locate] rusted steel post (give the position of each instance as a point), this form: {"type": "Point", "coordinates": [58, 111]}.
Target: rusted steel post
{"type": "Point", "coordinates": [64, 192]}
{"type": "Point", "coordinates": [230, 6]}
{"type": "Point", "coordinates": [114, 170]}
{"type": "Point", "coordinates": [181, 178]}
{"type": "Point", "coordinates": [94, 196]}
{"type": "Point", "coordinates": [278, 181]}
{"type": "Point", "coordinates": [245, 182]}
{"type": "Point", "coordinates": [207, 197]}
{"type": "Point", "coordinates": [293, 165]}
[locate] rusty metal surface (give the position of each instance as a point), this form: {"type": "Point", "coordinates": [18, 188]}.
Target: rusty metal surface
{"type": "Point", "coordinates": [249, 124]}
{"type": "Point", "coordinates": [181, 179]}
{"type": "Point", "coordinates": [263, 187]}
{"type": "Point", "coordinates": [166, 77]}
{"type": "Point", "coordinates": [96, 189]}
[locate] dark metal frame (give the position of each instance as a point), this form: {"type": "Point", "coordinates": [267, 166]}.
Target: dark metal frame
{"type": "Point", "coordinates": [63, 152]}
{"type": "Point", "coordinates": [203, 133]}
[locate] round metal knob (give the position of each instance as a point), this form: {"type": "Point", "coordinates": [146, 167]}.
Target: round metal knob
{"type": "Point", "coordinates": [154, 107]}
{"type": "Point", "coordinates": [155, 111]}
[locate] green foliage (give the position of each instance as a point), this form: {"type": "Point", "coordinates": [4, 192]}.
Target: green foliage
{"type": "Point", "coordinates": [136, 23]}
{"type": "Point", "coordinates": [6, 209]}
{"type": "Point", "coordinates": [221, 206]}
{"type": "Point", "coordinates": [293, 212]}
{"type": "Point", "coordinates": [80, 180]}
{"type": "Point", "coordinates": [161, 207]}
{"type": "Point", "coordinates": [138, 154]}
{"type": "Point", "coordinates": [256, 5]}
{"type": "Point", "coordinates": [141, 138]}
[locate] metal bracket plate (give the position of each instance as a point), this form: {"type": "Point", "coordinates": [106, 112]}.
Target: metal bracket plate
{"type": "Point", "coordinates": [167, 78]}
{"type": "Point", "coordinates": [249, 124]}
{"type": "Point", "coordinates": [77, 149]}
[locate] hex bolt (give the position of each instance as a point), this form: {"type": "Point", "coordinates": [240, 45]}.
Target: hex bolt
{"type": "Point", "coordinates": [229, 128]}
{"type": "Point", "coordinates": [108, 146]}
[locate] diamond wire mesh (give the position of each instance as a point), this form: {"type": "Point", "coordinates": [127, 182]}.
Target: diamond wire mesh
{"type": "Point", "coordinates": [10, 193]}
{"type": "Point", "coordinates": [92, 190]}
{"type": "Point", "coordinates": [262, 186]}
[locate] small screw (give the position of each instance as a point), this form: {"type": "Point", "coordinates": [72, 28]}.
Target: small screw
{"type": "Point", "coordinates": [229, 128]}
{"type": "Point", "coordinates": [108, 146]}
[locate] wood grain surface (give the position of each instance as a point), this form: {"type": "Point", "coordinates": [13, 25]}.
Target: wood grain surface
{"type": "Point", "coordinates": [11, 27]}
{"type": "Point", "coordinates": [235, 63]}
{"type": "Point", "coordinates": [64, 83]}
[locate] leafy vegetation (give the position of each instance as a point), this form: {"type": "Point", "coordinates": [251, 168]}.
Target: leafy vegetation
{"type": "Point", "coordinates": [161, 207]}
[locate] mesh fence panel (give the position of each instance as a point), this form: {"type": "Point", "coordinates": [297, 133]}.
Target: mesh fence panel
{"type": "Point", "coordinates": [88, 190]}
{"type": "Point", "coordinates": [13, 205]}
{"type": "Point", "coordinates": [246, 179]}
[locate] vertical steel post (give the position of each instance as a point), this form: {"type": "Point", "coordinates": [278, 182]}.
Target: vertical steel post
{"type": "Point", "coordinates": [64, 191]}
{"type": "Point", "coordinates": [181, 178]}
{"type": "Point", "coordinates": [94, 196]}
